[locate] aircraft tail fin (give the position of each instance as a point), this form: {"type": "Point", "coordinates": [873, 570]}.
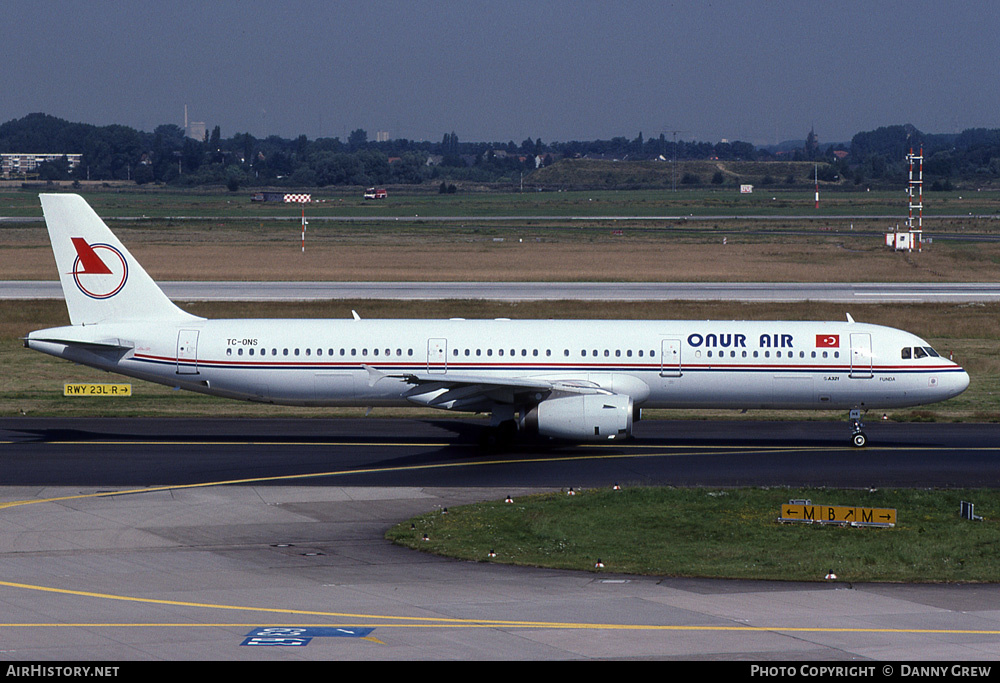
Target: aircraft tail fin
{"type": "Point", "coordinates": [101, 281]}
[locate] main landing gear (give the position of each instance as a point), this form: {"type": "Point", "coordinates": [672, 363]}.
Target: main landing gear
{"type": "Point", "coordinates": [501, 435]}
{"type": "Point", "coordinates": [858, 438]}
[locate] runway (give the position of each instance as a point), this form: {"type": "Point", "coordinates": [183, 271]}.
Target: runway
{"type": "Point", "coordinates": [843, 292]}
{"type": "Point", "coordinates": [179, 539]}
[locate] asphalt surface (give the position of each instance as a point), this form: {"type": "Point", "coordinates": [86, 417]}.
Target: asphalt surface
{"type": "Point", "coordinates": [182, 539]}
{"type": "Point", "coordinates": [844, 292]}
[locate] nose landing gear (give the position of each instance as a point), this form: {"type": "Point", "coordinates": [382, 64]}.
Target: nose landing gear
{"type": "Point", "coordinates": [858, 438]}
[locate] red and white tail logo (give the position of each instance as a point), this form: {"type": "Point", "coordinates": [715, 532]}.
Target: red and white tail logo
{"type": "Point", "coordinates": [100, 270]}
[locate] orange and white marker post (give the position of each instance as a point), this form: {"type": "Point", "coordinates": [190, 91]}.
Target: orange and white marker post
{"type": "Point", "coordinates": [303, 229]}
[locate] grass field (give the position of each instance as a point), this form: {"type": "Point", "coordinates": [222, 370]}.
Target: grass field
{"type": "Point", "coordinates": [415, 201]}
{"type": "Point", "coordinates": [237, 247]}
{"type": "Point", "coordinates": [227, 240]}
{"type": "Point", "coordinates": [731, 533]}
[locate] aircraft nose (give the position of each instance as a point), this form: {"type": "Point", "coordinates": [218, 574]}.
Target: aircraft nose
{"type": "Point", "coordinates": [957, 382]}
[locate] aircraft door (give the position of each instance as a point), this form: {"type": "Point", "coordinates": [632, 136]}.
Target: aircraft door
{"type": "Point", "coordinates": [437, 356]}
{"type": "Point", "coordinates": [861, 356]}
{"type": "Point", "coordinates": [670, 358]}
{"type": "Point", "coordinates": [187, 352]}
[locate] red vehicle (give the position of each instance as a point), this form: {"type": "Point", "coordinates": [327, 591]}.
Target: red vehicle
{"type": "Point", "coordinates": [376, 193]}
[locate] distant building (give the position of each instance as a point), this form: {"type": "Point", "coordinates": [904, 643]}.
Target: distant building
{"type": "Point", "coordinates": [22, 164]}
{"type": "Point", "coordinates": [194, 129]}
{"type": "Point", "coordinates": [382, 136]}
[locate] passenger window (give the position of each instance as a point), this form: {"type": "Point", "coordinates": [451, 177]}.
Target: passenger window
{"type": "Point", "coordinates": [229, 352]}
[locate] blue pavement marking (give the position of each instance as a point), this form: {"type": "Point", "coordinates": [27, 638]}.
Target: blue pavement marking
{"type": "Point", "coordinates": [284, 636]}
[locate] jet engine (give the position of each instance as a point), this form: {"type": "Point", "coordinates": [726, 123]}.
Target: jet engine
{"type": "Point", "coordinates": [582, 417]}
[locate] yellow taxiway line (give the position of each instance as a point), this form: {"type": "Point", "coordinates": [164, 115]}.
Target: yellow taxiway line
{"type": "Point", "coordinates": [383, 620]}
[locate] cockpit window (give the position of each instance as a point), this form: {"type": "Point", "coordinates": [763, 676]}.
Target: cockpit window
{"type": "Point", "coordinates": [918, 352]}
{"type": "Point", "coordinates": [906, 353]}
{"type": "Point", "coordinates": [931, 352]}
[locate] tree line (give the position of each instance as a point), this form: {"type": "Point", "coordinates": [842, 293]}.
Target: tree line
{"type": "Point", "coordinates": [166, 155]}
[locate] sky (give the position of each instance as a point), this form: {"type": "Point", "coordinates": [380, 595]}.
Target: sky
{"type": "Point", "coordinates": [759, 71]}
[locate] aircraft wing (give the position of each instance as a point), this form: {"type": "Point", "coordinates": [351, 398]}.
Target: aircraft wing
{"type": "Point", "coordinates": [480, 392]}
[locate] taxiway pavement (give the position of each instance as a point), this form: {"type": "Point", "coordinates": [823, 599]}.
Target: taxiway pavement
{"type": "Point", "coordinates": [120, 542]}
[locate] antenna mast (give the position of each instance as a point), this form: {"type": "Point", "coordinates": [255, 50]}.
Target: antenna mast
{"type": "Point", "coordinates": [673, 160]}
{"type": "Point", "coordinates": [916, 187]}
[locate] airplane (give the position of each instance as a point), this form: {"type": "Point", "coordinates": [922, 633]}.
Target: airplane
{"type": "Point", "coordinates": [577, 380]}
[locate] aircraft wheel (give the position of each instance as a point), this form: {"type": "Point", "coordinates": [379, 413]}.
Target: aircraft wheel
{"type": "Point", "coordinates": [500, 436]}
{"type": "Point", "coordinates": [859, 440]}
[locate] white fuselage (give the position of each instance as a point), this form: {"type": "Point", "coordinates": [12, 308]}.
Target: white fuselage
{"type": "Point", "coordinates": [658, 364]}
{"type": "Point", "coordinates": [567, 379]}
